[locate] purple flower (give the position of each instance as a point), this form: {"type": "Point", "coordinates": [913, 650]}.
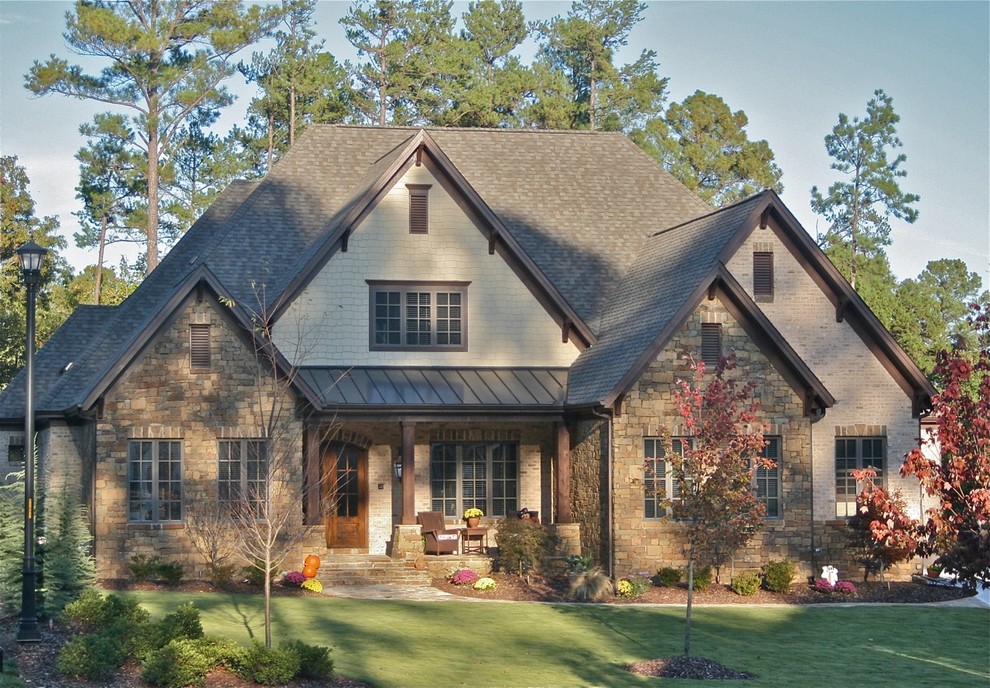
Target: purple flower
{"type": "Point", "coordinates": [845, 587]}
{"type": "Point", "coordinates": [464, 577]}
{"type": "Point", "coordinates": [294, 578]}
{"type": "Point", "coordinates": [822, 585]}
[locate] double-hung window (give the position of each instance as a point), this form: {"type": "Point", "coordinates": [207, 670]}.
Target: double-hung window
{"type": "Point", "coordinates": [768, 479]}
{"type": "Point", "coordinates": [154, 481]}
{"type": "Point", "coordinates": [855, 453]}
{"type": "Point", "coordinates": [419, 316]}
{"type": "Point", "coordinates": [474, 474]}
{"type": "Point", "coordinates": [659, 481]}
{"type": "Point", "coordinates": [242, 475]}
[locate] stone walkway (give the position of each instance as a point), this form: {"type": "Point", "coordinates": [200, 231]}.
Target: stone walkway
{"type": "Point", "coordinates": [431, 594]}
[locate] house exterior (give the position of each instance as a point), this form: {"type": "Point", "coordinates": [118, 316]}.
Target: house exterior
{"type": "Point", "coordinates": [502, 313]}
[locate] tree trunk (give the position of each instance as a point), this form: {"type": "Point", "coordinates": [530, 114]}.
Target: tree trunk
{"type": "Point", "coordinates": [591, 96]}
{"type": "Point", "coordinates": [271, 142]}
{"type": "Point", "coordinates": [292, 115]}
{"type": "Point", "coordinates": [99, 260]}
{"type": "Point", "coordinates": [268, 601]}
{"type": "Point", "coordinates": [690, 601]}
{"type": "Point", "coordinates": [151, 231]}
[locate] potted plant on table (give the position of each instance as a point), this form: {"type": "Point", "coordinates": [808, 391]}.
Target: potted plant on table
{"type": "Point", "coordinates": [473, 517]}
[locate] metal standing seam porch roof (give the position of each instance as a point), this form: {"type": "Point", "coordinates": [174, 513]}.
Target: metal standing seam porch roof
{"type": "Point", "coordinates": [422, 388]}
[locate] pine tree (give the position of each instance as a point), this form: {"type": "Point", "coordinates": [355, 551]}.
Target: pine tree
{"type": "Point", "coordinates": [11, 541]}
{"type": "Point", "coordinates": [67, 563]}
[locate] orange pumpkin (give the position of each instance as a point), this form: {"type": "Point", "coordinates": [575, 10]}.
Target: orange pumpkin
{"type": "Point", "coordinates": [312, 560]}
{"type": "Point", "coordinates": [309, 571]}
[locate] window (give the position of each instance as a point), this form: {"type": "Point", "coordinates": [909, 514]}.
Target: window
{"type": "Point", "coordinates": [419, 208]}
{"type": "Point", "coordinates": [199, 347]}
{"type": "Point", "coordinates": [768, 479]}
{"type": "Point", "coordinates": [154, 481]}
{"type": "Point", "coordinates": [763, 274]}
{"type": "Point", "coordinates": [659, 480]}
{"type": "Point", "coordinates": [711, 344]}
{"type": "Point", "coordinates": [15, 449]}
{"type": "Point", "coordinates": [242, 475]}
{"type": "Point", "coordinates": [475, 474]}
{"type": "Point", "coordinates": [854, 453]}
{"type": "Point", "coordinates": [418, 316]}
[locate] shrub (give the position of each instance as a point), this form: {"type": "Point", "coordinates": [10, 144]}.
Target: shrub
{"type": "Point", "coordinates": [218, 651]}
{"type": "Point", "coordinates": [667, 577]}
{"type": "Point", "coordinates": [845, 587]}
{"type": "Point", "coordinates": [182, 624]}
{"type": "Point", "coordinates": [777, 575]}
{"type": "Point", "coordinates": [222, 575]}
{"type": "Point", "coordinates": [144, 568]}
{"type": "Point", "coordinates": [93, 657]}
{"type": "Point", "coordinates": [314, 660]}
{"type": "Point", "coordinates": [464, 577]}
{"type": "Point", "coordinates": [703, 578]}
{"type": "Point", "coordinates": [577, 563]}
{"type": "Point", "coordinates": [484, 584]}
{"type": "Point", "coordinates": [269, 667]}
{"type": "Point", "coordinates": [746, 584]}
{"type": "Point", "coordinates": [522, 545]}
{"type": "Point", "coordinates": [170, 573]}
{"type": "Point", "coordinates": [312, 585]}
{"type": "Point", "coordinates": [592, 585]}
{"type": "Point", "coordinates": [177, 664]}
{"type": "Point", "coordinates": [255, 574]}
{"type": "Point", "coordinates": [293, 579]}
{"type": "Point", "coordinates": [93, 613]}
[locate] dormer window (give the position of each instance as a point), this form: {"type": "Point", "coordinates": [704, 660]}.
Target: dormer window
{"type": "Point", "coordinates": [763, 275]}
{"type": "Point", "coordinates": [199, 348]}
{"type": "Point", "coordinates": [419, 208]}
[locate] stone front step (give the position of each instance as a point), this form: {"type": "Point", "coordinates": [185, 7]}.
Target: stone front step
{"type": "Point", "coordinates": [370, 569]}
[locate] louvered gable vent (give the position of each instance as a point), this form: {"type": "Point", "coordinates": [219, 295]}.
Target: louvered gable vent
{"type": "Point", "coordinates": [419, 208]}
{"type": "Point", "coordinates": [199, 347]}
{"type": "Point", "coordinates": [711, 344]}
{"type": "Point", "coordinates": [762, 273]}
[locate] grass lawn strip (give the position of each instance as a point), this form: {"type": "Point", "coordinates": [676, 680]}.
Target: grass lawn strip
{"type": "Point", "coordinates": [410, 644]}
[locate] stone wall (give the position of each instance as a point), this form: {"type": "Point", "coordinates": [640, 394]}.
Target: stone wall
{"type": "Point", "coordinates": [643, 545]}
{"type": "Point", "coordinates": [161, 397]}
{"type": "Point", "coordinates": [589, 486]}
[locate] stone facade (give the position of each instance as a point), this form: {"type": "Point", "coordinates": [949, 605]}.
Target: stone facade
{"type": "Point", "coordinates": [643, 545]}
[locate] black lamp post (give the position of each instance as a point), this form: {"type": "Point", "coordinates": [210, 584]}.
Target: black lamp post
{"type": "Point", "coordinates": [31, 256]}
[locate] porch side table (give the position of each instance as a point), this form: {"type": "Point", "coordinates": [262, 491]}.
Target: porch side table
{"type": "Point", "coordinates": [474, 540]}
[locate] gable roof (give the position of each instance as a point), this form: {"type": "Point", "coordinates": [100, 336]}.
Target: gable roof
{"type": "Point", "coordinates": [576, 213]}
{"type": "Point", "coordinates": [682, 265]}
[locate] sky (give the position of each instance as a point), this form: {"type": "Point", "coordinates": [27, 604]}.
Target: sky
{"type": "Point", "coordinates": [792, 67]}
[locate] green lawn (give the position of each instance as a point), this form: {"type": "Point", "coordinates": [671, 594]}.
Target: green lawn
{"type": "Point", "coordinates": [444, 644]}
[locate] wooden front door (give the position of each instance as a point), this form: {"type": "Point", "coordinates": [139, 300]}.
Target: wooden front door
{"type": "Point", "coordinates": [345, 495]}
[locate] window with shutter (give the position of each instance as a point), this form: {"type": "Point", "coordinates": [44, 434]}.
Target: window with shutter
{"type": "Point", "coordinates": [711, 344]}
{"type": "Point", "coordinates": [763, 274]}
{"type": "Point", "coordinates": [199, 347]}
{"type": "Point", "coordinates": [419, 208]}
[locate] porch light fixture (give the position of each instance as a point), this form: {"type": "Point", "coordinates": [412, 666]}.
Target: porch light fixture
{"type": "Point", "coordinates": [397, 465]}
{"type": "Point", "coordinates": [31, 256]}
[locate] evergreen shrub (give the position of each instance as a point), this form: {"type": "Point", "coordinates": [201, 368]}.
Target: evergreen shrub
{"type": "Point", "coordinates": [778, 575]}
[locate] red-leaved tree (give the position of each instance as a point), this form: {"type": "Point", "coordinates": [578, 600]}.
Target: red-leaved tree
{"type": "Point", "coordinates": [883, 532]}
{"type": "Point", "coordinates": [714, 477]}
{"type": "Point", "coordinates": [956, 468]}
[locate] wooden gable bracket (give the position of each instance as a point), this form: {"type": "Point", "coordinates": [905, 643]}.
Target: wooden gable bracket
{"type": "Point", "coordinates": [492, 237]}
{"type": "Point", "coordinates": [764, 216]}
{"type": "Point", "coordinates": [419, 156]}
{"type": "Point", "coordinates": [712, 290]}
{"type": "Point", "coordinates": [617, 406]}
{"type": "Point", "coordinates": [565, 330]}
{"type": "Point", "coordinates": [200, 291]}
{"type": "Point", "coordinates": [840, 309]}
{"type": "Point", "coordinates": [343, 240]}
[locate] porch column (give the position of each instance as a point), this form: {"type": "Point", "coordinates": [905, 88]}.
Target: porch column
{"type": "Point", "coordinates": [408, 474]}
{"type": "Point", "coordinates": [311, 447]}
{"type": "Point", "coordinates": [563, 482]}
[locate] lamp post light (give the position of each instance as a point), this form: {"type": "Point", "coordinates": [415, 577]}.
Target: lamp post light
{"type": "Point", "coordinates": [30, 255]}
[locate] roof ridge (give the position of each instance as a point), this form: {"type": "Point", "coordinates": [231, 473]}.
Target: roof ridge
{"type": "Point", "coordinates": [716, 211]}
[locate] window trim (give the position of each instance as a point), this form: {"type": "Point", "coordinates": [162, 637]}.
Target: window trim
{"type": "Point", "coordinates": [403, 287]}
{"type": "Point", "coordinates": [16, 440]}
{"type": "Point", "coordinates": [844, 507]}
{"type": "Point", "coordinates": [419, 208]}
{"type": "Point", "coordinates": [511, 502]}
{"type": "Point", "coordinates": [231, 504]}
{"type": "Point", "coordinates": [651, 497]}
{"type": "Point", "coordinates": [156, 482]}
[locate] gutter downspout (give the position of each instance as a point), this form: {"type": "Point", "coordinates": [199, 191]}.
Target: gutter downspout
{"type": "Point", "coordinates": [816, 416]}
{"type": "Point", "coordinates": [609, 504]}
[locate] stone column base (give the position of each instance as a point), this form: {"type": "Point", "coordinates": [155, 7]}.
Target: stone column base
{"type": "Point", "coordinates": [570, 538]}
{"type": "Point", "coordinates": [407, 542]}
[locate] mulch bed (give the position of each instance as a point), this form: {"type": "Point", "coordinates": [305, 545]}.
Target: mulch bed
{"type": "Point", "coordinates": [696, 668]}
